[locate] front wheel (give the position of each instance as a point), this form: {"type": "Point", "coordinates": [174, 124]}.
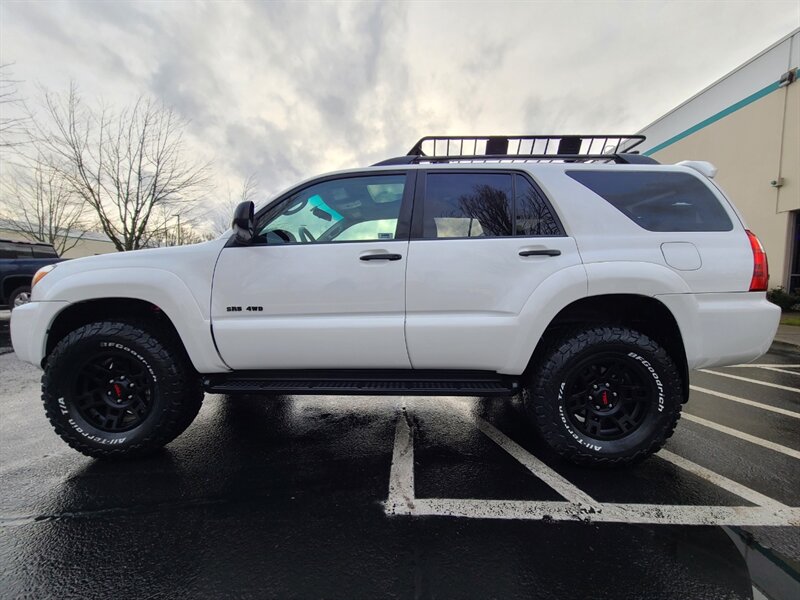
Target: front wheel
{"type": "Point", "coordinates": [605, 396]}
{"type": "Point", "coordinates": [20, 296]}
{"type": "Point", "coordinates": [114, 389]}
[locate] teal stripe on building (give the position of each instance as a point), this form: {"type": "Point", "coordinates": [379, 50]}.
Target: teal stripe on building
{"type": "Point", "coordinates": [720, 115]}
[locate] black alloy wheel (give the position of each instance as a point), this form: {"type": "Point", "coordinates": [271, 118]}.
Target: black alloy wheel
{"type": "Point", "coordinates": [113, 391]}
{"type": "Point", "coordinates": [608, 396]}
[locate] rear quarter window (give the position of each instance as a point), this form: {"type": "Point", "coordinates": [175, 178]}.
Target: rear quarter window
{"type": "Point", "coordinates": [658, 201]}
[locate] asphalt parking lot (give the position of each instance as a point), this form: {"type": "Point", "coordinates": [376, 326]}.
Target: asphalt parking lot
{"type": "Point", "coordinates": [361, 497]}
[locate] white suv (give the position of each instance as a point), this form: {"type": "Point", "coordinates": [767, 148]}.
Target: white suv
{"type": "Point", "coordinates": [587, 279]}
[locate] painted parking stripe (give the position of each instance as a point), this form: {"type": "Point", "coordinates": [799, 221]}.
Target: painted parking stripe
{"type": "Point", "coordinates": [778, 370]}
{"type": "Point", "coordinates": [566, 489]}
{"type": "Point", "coordinates": [747, 379]}
{"type": "Point", "coordinates": [742, 435]}
{"type": "Point", "coordinates": [402, 500]}
{"type": "Point", "coordinates": [719, 480]}
{"type": "Point", "coordinates": [657, 514]}
{"type": "Point", "coordinates": [401, 474]}
{"type": "Point", "coordinates": [765, 366]}
{"type": "Point", "coordinates": [775, 409]}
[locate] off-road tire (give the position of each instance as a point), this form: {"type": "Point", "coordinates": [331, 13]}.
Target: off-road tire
{"type": "Point", "coordinates": [545, 398]}
{"type": "Point", "coordinates": [176, 396]}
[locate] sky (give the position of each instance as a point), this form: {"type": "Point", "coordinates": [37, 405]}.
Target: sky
{"type": "Point", "coordinates": [285, 91]}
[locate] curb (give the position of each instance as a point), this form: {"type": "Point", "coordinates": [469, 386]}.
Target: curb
{"type": "Point", "coordinates": [785, 346]}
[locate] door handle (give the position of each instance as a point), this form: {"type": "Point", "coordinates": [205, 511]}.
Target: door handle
{"type": "Point", "coordinates": [546, 252]}
{"type": "Point", "coordinates": [382, 256]}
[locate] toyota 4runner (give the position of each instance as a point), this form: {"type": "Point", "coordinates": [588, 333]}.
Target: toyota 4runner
{"type": "Point", "coordinates": [568, 270]}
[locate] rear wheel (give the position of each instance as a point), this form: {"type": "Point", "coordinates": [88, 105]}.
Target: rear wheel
{"type": "Point", "coordinates": [605, 396]}
{"type": "Point", "coordinates": [117, 389]}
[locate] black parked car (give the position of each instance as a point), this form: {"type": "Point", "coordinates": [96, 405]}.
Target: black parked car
{"type": "Point", "coordinates": [18, 262]}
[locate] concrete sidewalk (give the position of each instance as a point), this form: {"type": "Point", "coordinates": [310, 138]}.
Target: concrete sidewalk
{"type": "Point", "coordinates": [788, 334]}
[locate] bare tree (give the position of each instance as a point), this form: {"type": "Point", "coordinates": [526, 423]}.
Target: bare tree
{"type": "Point", "coordinates": [13, 118]}
{"type": "Point", "coordinates": [41, 205]}
{"type": "Point", "coordinates": [220, 217]}
{"type": "Point", "coordinates": [124, 165]}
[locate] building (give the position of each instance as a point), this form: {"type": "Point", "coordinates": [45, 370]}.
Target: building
{"type": "Point", "coordinates": [748, 125]}
{"type": "Point", "coordinates": [90, 243]}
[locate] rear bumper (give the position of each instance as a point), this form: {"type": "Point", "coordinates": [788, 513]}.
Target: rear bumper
{"type": "Point", "coordinates": [721, 329]}
{"type": "Point", "coordinates": [29, 325]}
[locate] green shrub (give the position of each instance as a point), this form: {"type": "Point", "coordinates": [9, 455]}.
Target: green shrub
{"type": "Point", "coordinates": [782, 298]}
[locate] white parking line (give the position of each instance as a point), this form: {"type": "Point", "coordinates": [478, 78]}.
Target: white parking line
{"type": "Point", "coordinates": [775, 409]}
{"type": "Point", "coordinates": [742, 435]}
{"type": "Point", "coordinates": [401, 474]}
{"type": "Point", "coordinates": [535, 466]}
{"type": "Point", "coordinates": [747, 379]}
{"type": "Point", "coordinates": [720, 480]}
{"type": "Point", "coordinates": [764, 366]}
{"type": "Point", "coordinates": [777, 370]}
{"type": "Point", "coordinates": [656, 514]}
{"type": "Point", "coordinates": [402, 500]}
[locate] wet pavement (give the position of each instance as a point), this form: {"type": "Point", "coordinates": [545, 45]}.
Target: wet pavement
{"type": "Point", "coordinates": [362, 497]}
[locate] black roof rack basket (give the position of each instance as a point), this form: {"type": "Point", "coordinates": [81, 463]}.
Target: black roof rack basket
{"type": "Point", "coordinates": [524, 148]}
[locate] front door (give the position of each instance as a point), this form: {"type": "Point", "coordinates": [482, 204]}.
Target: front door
{"type": "Point", "coordinates": [323, 283]}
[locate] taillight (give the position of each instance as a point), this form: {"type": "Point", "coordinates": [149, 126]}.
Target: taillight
{"type": "Point", "coordinates": [760, 267]}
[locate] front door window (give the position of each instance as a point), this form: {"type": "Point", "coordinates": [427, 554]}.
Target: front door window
{"type": "Point", "coordinates": [355, 209]}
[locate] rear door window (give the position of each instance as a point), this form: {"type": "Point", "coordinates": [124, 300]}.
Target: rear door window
{"type": "Point", "coordinates": [658, 201]}
{"type": "Point", "coordinates": [469, 204]}
{"type": "Point", "coordinates": [533, 214]}
{"type": "Point", "coordinates": [462, 205]}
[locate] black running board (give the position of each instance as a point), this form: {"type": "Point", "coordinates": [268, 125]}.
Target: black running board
{"type": "Point", "coordinates": [368, 382]}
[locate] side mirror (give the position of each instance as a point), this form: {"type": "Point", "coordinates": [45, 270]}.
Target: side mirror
{"type": "Point", "coordinates": [244, 222]}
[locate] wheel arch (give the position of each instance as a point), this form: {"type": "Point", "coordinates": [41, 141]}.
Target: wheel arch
{"type": "Point", "coordinates": [645, 314]}
{"type": "Point", "coordinates": [82, 313]}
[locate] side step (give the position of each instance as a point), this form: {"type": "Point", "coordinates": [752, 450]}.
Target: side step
{"type": "Point", "coordinates": [368, 382]}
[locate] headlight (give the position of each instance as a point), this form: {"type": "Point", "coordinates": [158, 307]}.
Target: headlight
{"type": "Point", "coordinates": [41, 273]}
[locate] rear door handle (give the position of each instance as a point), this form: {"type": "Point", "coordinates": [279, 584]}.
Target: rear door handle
{"type": "Point", "coordinates": [546, 252]}
{"type": "Point", "coordinates": [382, 256]}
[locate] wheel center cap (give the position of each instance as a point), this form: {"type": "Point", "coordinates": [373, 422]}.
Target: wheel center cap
{"type": "Point", "coordinates": [603, 398]}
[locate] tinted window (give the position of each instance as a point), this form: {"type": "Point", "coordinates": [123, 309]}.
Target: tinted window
{"type": "Point", "coordinates": [659, 201]}
{"type": "Point", "coordinates": [354, 209]}
{"type": "Point", "coordinates": [459, 205]}
{"type": "Point", "coordinates": [12, 250]}
{"type": "Point", "coordinates": [534, 216]}
{"type": "Point", "coordinates": [44, 252]}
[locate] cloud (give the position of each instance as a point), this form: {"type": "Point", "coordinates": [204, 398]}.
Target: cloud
{"type": "Point", "coordinates": [288, 90]}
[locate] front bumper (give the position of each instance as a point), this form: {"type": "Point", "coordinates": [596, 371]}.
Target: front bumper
{"type": "Point", "coordinates": [29, 326]}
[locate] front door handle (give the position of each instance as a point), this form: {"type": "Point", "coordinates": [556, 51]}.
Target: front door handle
{"type": "Point", "coordinates": [546, 252]}
{"type": "Point", "coordinates": [381, 256]}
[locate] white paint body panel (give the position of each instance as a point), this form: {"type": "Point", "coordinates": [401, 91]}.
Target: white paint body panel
{"type": "Point", "coordinates": [456, 304]}
{"type": "Point", "coordinates": [177, 280]}
{"type": "Point", "coordinates": [324, 308]}
{"type": "Point", "coordinates": [465, 298]}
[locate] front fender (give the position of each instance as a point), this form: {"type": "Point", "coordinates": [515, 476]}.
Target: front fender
{"type": "Point", "coordinates": [156, 286]}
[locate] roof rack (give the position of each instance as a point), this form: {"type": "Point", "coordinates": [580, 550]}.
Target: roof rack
{"type": "Point", "coordinates": [524, 148]}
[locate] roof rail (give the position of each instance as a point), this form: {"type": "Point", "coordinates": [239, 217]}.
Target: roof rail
{"type": "Point", "coordinates": [524, 148]}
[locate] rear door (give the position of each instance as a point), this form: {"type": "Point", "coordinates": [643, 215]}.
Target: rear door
{"type": "Point", "coordinates": [323, 283]}
{"type": "Point", "coordinates": [482, 241]}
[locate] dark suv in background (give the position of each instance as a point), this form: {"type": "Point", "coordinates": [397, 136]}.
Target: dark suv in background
{"type": "Point", "coordinates": [18, 263]}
